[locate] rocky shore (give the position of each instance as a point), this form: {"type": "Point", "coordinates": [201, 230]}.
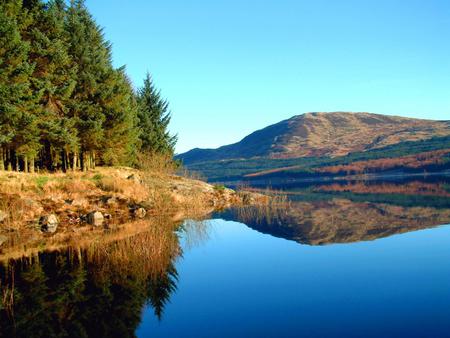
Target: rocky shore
{"type": "Point", "coordinates": [38, 209]}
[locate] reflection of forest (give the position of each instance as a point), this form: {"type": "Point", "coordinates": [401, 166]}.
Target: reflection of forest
{"type": "Point", "coordinates": [409, 188]}
{"type": "Point", "coordinates": [337, 220]}
{"type": "Point", "coordinates": [94, 291]}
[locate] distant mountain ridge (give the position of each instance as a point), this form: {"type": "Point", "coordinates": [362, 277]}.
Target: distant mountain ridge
{"type": "Point", "coordinates": [323, 134]}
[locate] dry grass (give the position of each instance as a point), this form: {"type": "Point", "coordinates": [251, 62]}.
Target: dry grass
{"type": "Point", "coordinates": [145, 253]}
{"type": "Point", "coordinates": [110, 184]}
{"type": "Point", "coordinates": [15, 209]}
{"type": "Point", "coordinates": [112, 190]}
{"type": "Point", "coordinates": [193, 175]}
{"type": "Point", "coordinates": [162, 164]}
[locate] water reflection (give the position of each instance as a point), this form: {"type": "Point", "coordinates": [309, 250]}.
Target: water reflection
{"type": "Point", "coordinates": [94, 291]}
{"type": "Point", "coordinates": [100, 286]}
{"type": "Point", "coordinates": [350, 211]}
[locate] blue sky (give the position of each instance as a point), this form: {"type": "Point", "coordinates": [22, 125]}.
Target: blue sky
{"type": "Point", "coordinates": [231, 67]}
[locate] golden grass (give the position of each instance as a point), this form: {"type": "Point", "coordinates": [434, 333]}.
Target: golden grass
{"type": "Point", "coordinates": [162, 164]}
{"type": "Point", "coordinates": [146, 253]}
{"type": "Point", "coordinates": [15, 209]}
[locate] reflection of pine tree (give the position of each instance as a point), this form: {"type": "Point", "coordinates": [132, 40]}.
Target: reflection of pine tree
{"type": "Point", "coordinates": [59, 295]}
{"type": "Point", "coordinates": [161, 288]}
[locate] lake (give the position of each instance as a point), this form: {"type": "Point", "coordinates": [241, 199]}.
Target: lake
{"type": "Point", "coordinates": [348, 259]}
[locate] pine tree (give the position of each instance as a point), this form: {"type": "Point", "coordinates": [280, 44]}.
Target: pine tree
{"type": "Point", "coordinates": [15, 91]}
{"type": "Point", "coordinates": [91, 54]}
{"type": "Point", "coordinates": [52, 83]}
{"type": "Point", "coordinates": [62, 103]}
{"type": "Point", "coordinates": [154, 118]}
{"type": "Point", "coordinates": [121, 134]}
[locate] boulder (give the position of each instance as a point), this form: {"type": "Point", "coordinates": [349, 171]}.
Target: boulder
{"type": "Point", "coordinates": [95, 218]}
{"type": "Point", "coordinates": [49, 223]}
{"type": "Point", "coordinates": [3, 216]}
{"type": "Point", "coordinates": [139, 212]}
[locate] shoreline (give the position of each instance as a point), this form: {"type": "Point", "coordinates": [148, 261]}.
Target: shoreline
{"type": "Point", "coordinates": [125, 200]}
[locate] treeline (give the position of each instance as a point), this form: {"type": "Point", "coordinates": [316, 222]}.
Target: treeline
{"type": "Point", "coordinates": [63, 106]}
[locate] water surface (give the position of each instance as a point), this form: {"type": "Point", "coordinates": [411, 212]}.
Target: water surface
{"type": "Point", "coordinates": [348, 259]}
{"type": "Point", "coordinates": [244, 283]}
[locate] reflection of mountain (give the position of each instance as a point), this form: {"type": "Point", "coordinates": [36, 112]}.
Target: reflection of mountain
{"type": "Point", "coordinates": [98, 291]}
{"type": "Point", "coordinates": [338, 220]}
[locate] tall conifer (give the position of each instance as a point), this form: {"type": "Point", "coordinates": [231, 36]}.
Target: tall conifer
{"type": "Point", "coordinates": [154, 118]}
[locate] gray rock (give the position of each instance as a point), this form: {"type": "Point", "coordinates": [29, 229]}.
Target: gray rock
{"type": "Point", "coordinates": [3, 216]}
{"type": "Point", "coordinates": [95, 218]}
{"type": "Point", "coordinates": [139, 212]}
{"type": "Point", "coordinates": [49, 223]}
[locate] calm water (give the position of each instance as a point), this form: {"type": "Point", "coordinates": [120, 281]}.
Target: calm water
{"type": "Point", "coordinates": [343, 260]}
{"type": "Point", "coordinates": [242, 283]}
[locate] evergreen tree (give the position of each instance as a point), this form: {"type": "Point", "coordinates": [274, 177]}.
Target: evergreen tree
{"type": "Point", "coordinates": [62, 103]}
{"type": "Point", "coordinates": [15, 91]}
{"type": "Point", "coordinates": [52, 82]}
{"type": "Point", "coordinates": [120, 108]}
{"type": "Point", "coordinates": [154, 118]}
{"type": "Point", "coordinates": [91, 54]}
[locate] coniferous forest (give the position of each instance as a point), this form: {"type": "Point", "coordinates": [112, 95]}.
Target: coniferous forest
{"type": "Point", "coordinates": [63, 105]}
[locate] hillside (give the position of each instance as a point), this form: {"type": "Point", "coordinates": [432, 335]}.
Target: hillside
{"type": "Point", "coordinates": [323, 134]}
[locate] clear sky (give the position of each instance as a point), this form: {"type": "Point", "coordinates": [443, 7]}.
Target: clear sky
{"type": "Point", "coordinates": [231, 67]}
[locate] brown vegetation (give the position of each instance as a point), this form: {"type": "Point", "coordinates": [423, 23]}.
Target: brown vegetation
{"type": "Point", "coordinates": [413, 161]}
{"type": "Point", "coordinates": [339, 133]}
{"type": "Point", "coordinates": [411, 188]}
{"type": "Point", "coordinates": [114, 191]}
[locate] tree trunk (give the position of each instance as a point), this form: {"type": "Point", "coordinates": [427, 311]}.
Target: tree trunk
{"type": "Point", "coordinates": [2, 163]}
{"type": "Point", "coordinates": [32, 165]}
{"type": "Point", "coordinates": [8, 154]}
{"type": "Point", "coordinates": [25, 163]}
{"type": "Point", "coordinates": [16, 163]}
{"type": "Point", "coordinates": [67, 160]}
{"type": "Point", "coordinates": [93, 160]}
{"type": "Point", "coordinates": [83, 161]}
{"type": "Point", "coordinates": [75, 161]}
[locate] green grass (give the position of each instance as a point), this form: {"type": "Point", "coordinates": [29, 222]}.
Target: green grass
{"type": "Point", "coordinates": [219, 187]}
{"type": "Point", "coordinates": [41, 181]}
{"type": "Point", "coordinates": [97, 178]}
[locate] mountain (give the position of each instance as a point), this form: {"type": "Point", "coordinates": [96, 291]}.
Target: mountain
{"type": "Point", "coordinates": [323, 134]}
